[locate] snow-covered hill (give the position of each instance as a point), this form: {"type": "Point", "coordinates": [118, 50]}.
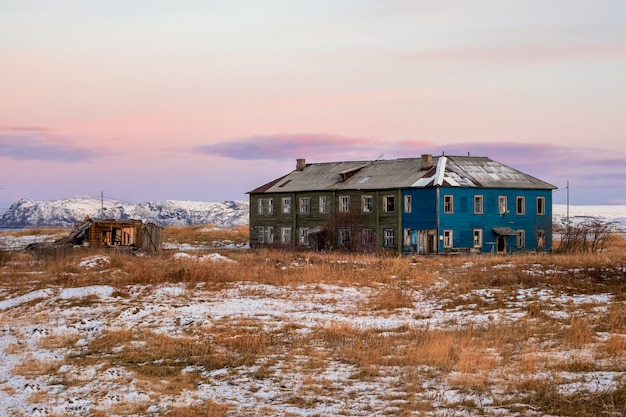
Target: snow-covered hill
{"type": "Point", "coordinates": [68, 212]}
{"type": "Point", "coordinates": [616, 213]}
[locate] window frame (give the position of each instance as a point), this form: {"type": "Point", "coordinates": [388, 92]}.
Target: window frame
{"type": "Point", "coordinates": [270, 234]}
{"type": "Point", "coordinates": [285, 232]}
{"type": "Point", "coordinates": [367, 200]}
{"type": "Point", "coordinates": [478, 243]}
{"type": "Point", "coordinates": [448, 204]}
{"type": "Point", "coordinates": [479, 202]}
{"type": "Point", "coordinates": [304, 236]}
{"type": "Point", "coordinates": [305, 205]}
{"type": "Point", "coordinates": [261, 235]}
{"type": "Point", "coordinates": [323, 204]}
{"type": "Point", "coordinates": [408, 203]}
{"type": "Point", "coordinates": [286, 205]}
{"type": "Point", "coordinates": [344, 204]}
{"type": "Point", "coordinates": [541, 207]}
{"type": "Point", "coordinates": [520, 205]}
{"type": "Point", "coordinates": [520, 238]}
{"type": "Point", "coordinates": [367, 237]}
{"type": "Point", "coordinates": [343, 237]}
{"type": "Point", "coordinates": [389, 200]}
{"type": "Point", "coordinates": [265, 206]}
{"type": "Point", "coordinates": [503, 205]}
{"type": "Point", "coordinates": [541, 239]}
{"type": "Point", "coordinates": [448, 239]}
{"type": "Point", "coordinates": [389, 237]}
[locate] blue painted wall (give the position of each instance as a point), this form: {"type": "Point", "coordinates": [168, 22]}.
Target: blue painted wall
{"type": "Point", "coordinates": [427, 213]}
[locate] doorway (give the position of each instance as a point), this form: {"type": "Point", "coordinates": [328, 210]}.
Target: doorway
{"type": "Point", "coordinates": [501, 244]}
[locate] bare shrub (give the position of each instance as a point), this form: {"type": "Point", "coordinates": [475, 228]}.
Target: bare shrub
{"type": "Point", "coordinates": [591, 235]}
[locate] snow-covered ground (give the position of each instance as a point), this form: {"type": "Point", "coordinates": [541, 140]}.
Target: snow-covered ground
{"type": "Point", "coordinates": [44, 333]}
{"type": "Point", "coordinates": [606, 212]}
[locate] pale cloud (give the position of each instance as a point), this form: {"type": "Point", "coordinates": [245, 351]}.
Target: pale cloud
{"type": "Point", "coordinates": [279, 147]}
{"type": "Point", "coordinates": [43, 144]}
{"type": "Point", "coordinates": [531, 53]}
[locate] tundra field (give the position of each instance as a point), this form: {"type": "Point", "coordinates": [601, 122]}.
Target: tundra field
{"type": "Point", "coordinates": [209, 328]}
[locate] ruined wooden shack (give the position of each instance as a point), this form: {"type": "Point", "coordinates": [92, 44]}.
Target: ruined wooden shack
{"type": "Point", "coordinates": [131, 235]}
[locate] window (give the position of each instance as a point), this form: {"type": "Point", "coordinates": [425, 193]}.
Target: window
{"type": "Point", "coordinates": [367, 237]}
{"type": "Point", "coordinates": [389, 237]}
{"type": "Point", "coordinates": [344, 203]}
{"type": "Point", "coordinates": [502, 205]}
{"type": "Point", "coordinates": [478, 238]}
{"type": "Point", "coordinates": [389, 203]}
{"type": "Point", "coordinates": [520, 205]}
{"type": "Point", "coordinates": [408, 204]}
{"type": "Point", "coordinates": [323, 204]}
{"type": "Point", "coordinates": [305, 205]}
{"type": "Point", "coordinates": [265, 206]}
{"type": "Point", "coordinates": [407, 237]}
{"type": "Point", "coordinates": [541, 239]}
{"type": "Point", "coordinates": [447, 238]}
{"type": "Point", "coordinates": [367, 203]}
{"type": "Point", "coordinates": [478, 204]}
{"type": "Point", "coordinates": [521, 238]}
{"type": "Point", "coordinates": [448, 204]}
{"type": "Point", "coordinates": [261, 236]}
{"type": "Point", "coordinates": [541, 205]}
{"type": "Point", "coordinates": [270, 234]}
{"type": "Point", "coordinates": [304, 236]}
{"type": "Point", "coordinates": [286, 205]}
{"type": "Point", "coordinates": [344, 236]}
{"type": "Point", "coordinates": [285, 235]}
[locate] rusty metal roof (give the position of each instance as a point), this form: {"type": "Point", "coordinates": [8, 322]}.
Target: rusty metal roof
{"type": "Point", "coordinates": [446, 171]}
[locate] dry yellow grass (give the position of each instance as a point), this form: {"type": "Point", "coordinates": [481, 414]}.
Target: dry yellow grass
{"type": "Point", "coordinates": [517, 356]}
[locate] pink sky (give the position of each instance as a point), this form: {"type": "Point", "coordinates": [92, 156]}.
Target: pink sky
{"type": "Point", "coordinates": [154, 100]}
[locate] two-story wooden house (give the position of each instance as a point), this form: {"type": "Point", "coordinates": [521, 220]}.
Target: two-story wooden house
{"type": "Point", "coordinates": [424, 205]}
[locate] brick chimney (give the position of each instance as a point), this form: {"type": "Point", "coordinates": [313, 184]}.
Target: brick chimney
{"type": "Point", "coordinates": [427, 161]}
{"type": "Point", "coordinates": [300, 164]}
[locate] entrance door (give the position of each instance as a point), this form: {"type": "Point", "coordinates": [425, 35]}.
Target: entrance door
{"type": "Point", "coordinates": [501, 244]}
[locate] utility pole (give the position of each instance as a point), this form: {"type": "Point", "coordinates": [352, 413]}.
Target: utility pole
{"type": "Point", "coordinates": [568, 205]}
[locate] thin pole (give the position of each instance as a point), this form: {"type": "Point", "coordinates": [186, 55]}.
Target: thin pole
{"type": "Point", "coordinates": [568, 205]}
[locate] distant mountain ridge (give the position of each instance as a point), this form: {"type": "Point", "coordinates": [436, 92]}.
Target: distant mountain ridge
{"type": "Point", "coordinates": [66, 213]}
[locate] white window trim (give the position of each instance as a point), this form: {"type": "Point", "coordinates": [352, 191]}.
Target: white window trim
{"type": "Point", "coordinates": [408, 203]}
{"type": "Point", "coordinates": [261, 234]}
{"type": "Point", "coordinates": [286, 202]}
{"type": "Point", "coordinates": [448, 238]}
{"type": "Point", "coordinates": [344, 203]}
{"type": "Point", "coordinates": [305, 208]}
{"type": "Point", "coordinates": [364, 205]}
{"type": "Point", "coordinates": [304, 236]}
{"type": "Point", "coordinates": [503, 205]}
{"type": "Point", "coordinates": [386, 199]}
{"type": "Point", "coordinates": [523, 210]}
{"type": "Point", "coordinates": [543, 206]}
{"type": "Point", "coordinates": [479, 197]}
{"type": "Point", "coordinates": [520, 238]}
{"type": "Point", "coordinates": [323, 204]}
{"type": "Point", "coordinates": [285, 232]}
{"type": "Point", "coordinates": [389, 237]}
{"type": "Point", "coordinates": [451, 209]}
{"type": "Point", "coordinates": [480, 238]}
